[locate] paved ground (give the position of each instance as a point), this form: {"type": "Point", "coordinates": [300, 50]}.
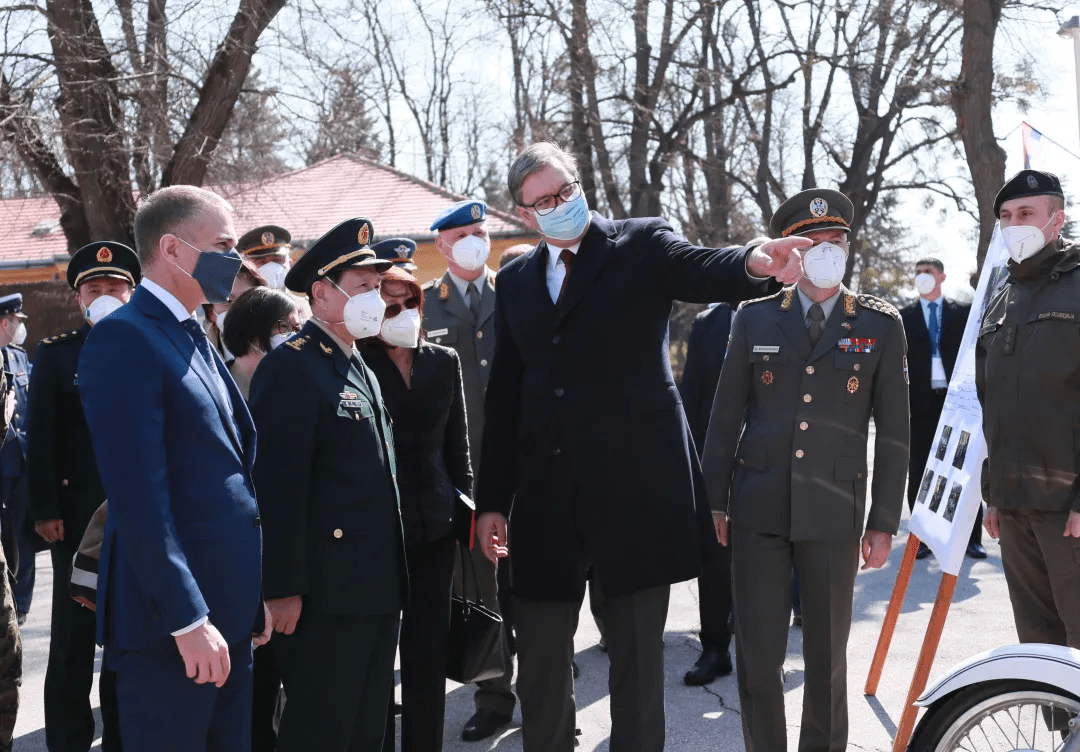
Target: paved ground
{"type": "Point", "coordinates": [698, 718]}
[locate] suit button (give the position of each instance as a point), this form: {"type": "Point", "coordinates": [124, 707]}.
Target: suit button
{"type": "Point", "coordinates": [559, 392]}
{"type": "Point", "coordinates": [859, 475]}
{"type": "Point", "coordinates": [64, 482]}
{"type": "Point", "coordinates": [479, 335]}
{"type": "Point", "coordinates": [556, 339]}
{"type": "Point", "coordinates": [803, 426]}
{"type": "Point", "coordinates": [338, 533]}
{"type": "Point", "coordinates": [810, 369]}
{"type": "Point", "coordinates": [742, 462]}
{"type": "Point", "coordinates": [799, 453]}
{"type": "Point", "coordinates": [558, 450]}
{"type": "Point", "coordinates": [483, 362]}
{"type": "Point", "coordinates": [806, 398]}
{"type": "Point", "coordinates": [856, 366]}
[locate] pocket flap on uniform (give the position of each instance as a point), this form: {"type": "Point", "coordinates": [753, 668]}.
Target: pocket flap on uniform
{"type": "Point", "coordinates": [849, 468]}
{"type": "Point", "coordinates": [441, 336]}
{"type": "Point", "coordinates": [845, 361]}
{"type": "Point", "coordinates": [765, 354]}
{"type": "Point", "coordinates": [754, 458]}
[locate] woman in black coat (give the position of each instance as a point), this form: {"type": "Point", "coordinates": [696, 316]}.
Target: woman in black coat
{"type": "Point", "coordinates": [421, 385]}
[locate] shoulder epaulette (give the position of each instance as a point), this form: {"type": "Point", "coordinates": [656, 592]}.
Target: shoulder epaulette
{"type": "Point", "coordinates": [59, 337]}
{"type": "Point", "coordinates": [787, 292]}
{"type": "Point", "coordinates": [429, 284]}
{"type": "Point", "coordinates": [877, 304]}
{"type": "Point", "coordinates": [296, 343]}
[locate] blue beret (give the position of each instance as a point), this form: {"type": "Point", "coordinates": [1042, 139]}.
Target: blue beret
{"type": "Point", "coordinates": [460, 214]}
{"type": "Point", "coordinates": [398, 251]}
{"type": "Point", "coordinates": [104, 259]}
{"type": "Point", "coordinates": [1028, 183]}
{"type": "Point", "coordinates": [12, 304]}
{"type": "Point", "coordinates": [344, 247]}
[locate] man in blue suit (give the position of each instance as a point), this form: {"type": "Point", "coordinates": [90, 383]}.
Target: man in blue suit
{"type": "Point", "coordinates": [179, 576]}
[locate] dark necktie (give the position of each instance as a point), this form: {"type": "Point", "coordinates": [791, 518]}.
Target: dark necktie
{"type": "Point", "coordinates": [935, 331]}
{"type": "Point", "coordinates": [202, 346]}
{"type": "Point", "coordinates": [817, 323]}
{"type": "Point", "coordinates": [567, 258]}
{"type": "Point", "coordinates": [474, 300]}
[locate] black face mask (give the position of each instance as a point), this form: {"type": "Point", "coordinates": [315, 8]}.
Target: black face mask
{"type": "Point", "coordinates": [215, 272]}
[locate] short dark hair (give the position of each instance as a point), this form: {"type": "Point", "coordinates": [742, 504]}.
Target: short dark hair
{"type": "Point", "coordinates": [931, 261]}
{"type": "Point", "coordinates": [535, 158]}
{"type": "Point", "coordinates": [166, 210]}
{"type": "Point", "coordinates": [333, 276]}
{"type": "Point", "coordinates": [252, 317]}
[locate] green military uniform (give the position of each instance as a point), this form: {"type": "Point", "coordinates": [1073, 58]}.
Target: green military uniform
{"type": "Point", "coordinates": [1028, 379]}
{"type": "Point", "coordinates": [785, 457]}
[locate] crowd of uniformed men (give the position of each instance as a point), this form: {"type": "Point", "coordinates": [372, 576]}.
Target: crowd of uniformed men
{"type": "Point", "coordinates": [374, 403]}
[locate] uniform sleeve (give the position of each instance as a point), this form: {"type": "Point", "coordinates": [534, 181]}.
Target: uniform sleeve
{"type": "Point", "coordinates": [41, 467]}
{"type": "Point", "coordinates": [892, 420]}
{"type": "Point", "coordinates": [691, 387]}
{"type": "Point", "coordinates": [502, 409]}
{"type": "Point", "coordinates": [121, 374]}
{"type": "Point", "coordinates": [284, 402]}
{"type": "Point", "coordinates": [728, 412]}
{"type": "Point", "coordinates": [456, 442]}
{"type": "Point", "coordinates": [704, 275]}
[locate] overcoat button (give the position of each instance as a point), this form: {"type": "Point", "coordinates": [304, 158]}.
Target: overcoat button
{"type": "Point", "coordinates": [338, 533]}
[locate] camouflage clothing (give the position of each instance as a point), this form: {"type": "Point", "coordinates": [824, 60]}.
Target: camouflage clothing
{"type": "Point", "coordinates": [10, 640]}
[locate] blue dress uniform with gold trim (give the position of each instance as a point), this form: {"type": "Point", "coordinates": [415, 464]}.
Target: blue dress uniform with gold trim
{"type": "Point", "coordinates": [18, 546]}
{"type": "Point", "coordinates": [65, 485]}
{"type": "Point", "coordinates": [786, 458]}
{"type": "Point", "coordinates": [326, 482]}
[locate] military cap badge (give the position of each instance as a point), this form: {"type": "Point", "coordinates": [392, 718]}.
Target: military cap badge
{"type": "Point", "coordinates": [364, 234]}
{"type": "Point", "coordinates": [475, 211]}
{"type": "Point", "coordinates": [104, 255]}
{"type": "Point", "coordinates": [818, 207]}
{"type": "Point", "coordinates": [853, 384]}
{"type": "Point", "coordinates": [402, 251]}
{"type": "Point", "coordinates": [268, 238]}
{"type": "Point", "coordinates": [1032, 182]}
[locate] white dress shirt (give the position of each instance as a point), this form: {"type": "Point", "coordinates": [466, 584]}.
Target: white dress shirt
{"type": "Point", "coordinates": [938, 379]}
{"type": "Point", "coordinates": [556, 269]}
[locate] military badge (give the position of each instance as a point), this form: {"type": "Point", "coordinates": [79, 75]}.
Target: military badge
{"type": "Point", "coordinates": [857, 344]}
{"type": "Point", "coordinates": [326, 348]}
{"type": "Point", "coordinates": [766, 378]}
{"type": "Point", "coordinates": [853, 384]}
{"type": "Point", "coordinates": [402, 251]}
{"type": "Point", "coordinates": [348, 395]}
{"type": "Point", "coordinates": [295, 343]}
{"type": "Point", "coordinates": [268, 238]}
{"type": "Point", "coordinates": [1032, 182]}
{"type": "Point", "coordinates": [104, 255]}
{"type": "Point", "coordinates": [846, 326]}
{"type": "Point", "coordinates": [364, 235]}
{"type": "Point", "coordinates": [788, 295]}
{"type": "Point", "coordinates": [818, 207]}
{"type": "Point", "coordinates": [475, 211]}
{"type": "Point", "coordinates": [444, 291]}
{"type": "Point", "coordinates": [849, 306]}
{"type": "Point", "coordinates": [906, 381]}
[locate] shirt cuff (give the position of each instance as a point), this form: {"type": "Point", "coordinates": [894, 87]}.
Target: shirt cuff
{"type": "Point", "coordinates": [746, 268]}
{"type": "Point", "coordinates": [191, 627]}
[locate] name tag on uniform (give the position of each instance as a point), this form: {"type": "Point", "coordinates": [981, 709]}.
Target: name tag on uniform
{"type": "Point", "coordinates": [1062, 315]}
{"type": "Point", "coordinates": [857, 344]}
{"type": "Point", "coordinates": [438, 332]}
{"type": "Point", "coordinates": [766, 348]}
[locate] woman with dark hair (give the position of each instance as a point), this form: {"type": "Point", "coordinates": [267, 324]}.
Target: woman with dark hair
{"type": "Point", "coordinates": [247, 278]}
{"type": "Point", "coordinates": [259, 320]}
{"type": "Point", "coordinates": [421, 385]}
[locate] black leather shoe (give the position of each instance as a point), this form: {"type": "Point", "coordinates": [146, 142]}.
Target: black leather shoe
{"type": "Point", "coordinates": [709, 666]}
{"type": "Point", "coordinates": [976, 551]}
{"type": "Point", "coordinates": [483, 724]}
{"type": "Point", "coordinates": [923, 551]}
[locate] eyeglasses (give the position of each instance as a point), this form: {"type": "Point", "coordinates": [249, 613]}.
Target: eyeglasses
{"type": "Point", "coordinates": [284, 326]}
{"type": "Point", "coordinates": [394, 309]}
{"type": "Point", "coordinates": [547, 204]}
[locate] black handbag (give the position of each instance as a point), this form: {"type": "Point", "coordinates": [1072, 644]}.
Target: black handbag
{"type": "Point", "coordinates": [475, 646]}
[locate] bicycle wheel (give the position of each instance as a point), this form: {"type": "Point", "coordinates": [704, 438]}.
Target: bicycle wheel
{"type": "Point", "coordinates": [1006, 716]}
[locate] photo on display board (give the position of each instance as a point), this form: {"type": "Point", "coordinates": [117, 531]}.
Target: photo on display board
{"type": "Point", "coordinates": [954, 500]}
{"type": "Point", "coordinates": [943, 443]}
{"type": "Point", "coordinates": [997, 277]}
{"type": "Point", "coordinates": [961, 450]}
{"type": "Point", "coordinates": [924, 488]}
{"type": "Point", "coordinates": [939, 492]}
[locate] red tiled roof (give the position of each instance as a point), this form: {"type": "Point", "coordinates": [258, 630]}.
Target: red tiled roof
{"type": "Point", "coordinates": [307, 202]}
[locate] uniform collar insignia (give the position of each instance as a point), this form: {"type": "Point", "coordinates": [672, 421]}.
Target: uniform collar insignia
{"type": "Point", "coordinates": [789, 294]}
{"type": "Point", "coordinates": [444, 291]}
{"type": "Point", "coordinates": [327, 350]}
{"type": "Point", "coordinates": [849, 305]}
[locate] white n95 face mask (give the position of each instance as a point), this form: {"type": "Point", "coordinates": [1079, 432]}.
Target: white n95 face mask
{"type": "Point", "coordinates": [402, 330]}
{"type": "Point", "coordinates": [274, 274]}
{"type": "Point", "coordinates": [277, 340]}
{"type": "Point", "coordinates": [101, 307]}
{"type": "Point", "coordinates": [1024, 241]}
{"type": "Point", "coordinates": [824, 265]}
{"type": "Point", "coordinates": [363, 313]}
{"type": "Point", "coordinates": [471, 252]}
{"type": "Point", "coordinates": [924, 283]}
{"type": "Point", "coordinates": [20, 334]}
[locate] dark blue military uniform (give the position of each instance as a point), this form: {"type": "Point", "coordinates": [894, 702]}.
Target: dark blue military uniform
{"type": "Point", "coordinates": [18, 547]}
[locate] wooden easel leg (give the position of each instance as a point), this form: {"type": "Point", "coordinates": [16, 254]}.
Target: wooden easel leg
{"type": "Point", "coordinates": [892, 615]}
{"type": "Point", "coordinates": [926, 660]}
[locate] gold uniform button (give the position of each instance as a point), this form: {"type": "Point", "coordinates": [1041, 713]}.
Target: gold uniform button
{"type": "Point", "coordinates": [803, 426]}
{"type": "Point", "coordinates": [799, 453]}
{"type": "Point", "coordinates": [64, 482]}
{"type": "Point", "coordinates": [806, 398]}
{"type": "Point", "coordinates": [856, 366]}
{"type": "Point", "coordinates": [338, 533]}
{"type": "Point", "coordinates": [810, 369]}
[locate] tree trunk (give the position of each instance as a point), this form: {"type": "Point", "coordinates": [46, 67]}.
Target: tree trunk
{"type": "Point", "coordinates": [972, 101]}
{"type": "Point", "coordinates": [579, 117]}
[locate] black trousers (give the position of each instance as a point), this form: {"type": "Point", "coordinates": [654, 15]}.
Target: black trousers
{"type": "Point", "coordinates": [266, 685]}
{"type": "Point", "coordinates": [338, 673]}
{"type": "Point", "coordinates": [714, 601]}
{"type": "Point", "coordinates": [424, 626]}
{"type": "Point", "coordinates": [69, 677]}
{"type": "Point", "coordinates": [923, 427]}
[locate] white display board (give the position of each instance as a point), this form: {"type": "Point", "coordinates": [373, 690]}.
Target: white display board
{"type": "Point", "coordinates": [950, 491]}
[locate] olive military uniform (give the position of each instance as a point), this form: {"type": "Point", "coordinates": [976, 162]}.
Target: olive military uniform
{"type": "Point", "coordinates": [1028, 379]}
{"type": "Point", "coordinates": [794, 484]}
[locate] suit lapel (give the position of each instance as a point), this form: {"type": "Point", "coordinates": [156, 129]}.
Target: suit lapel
{"type": "Point", "coordinates": [791, 324]}
{"type": "Point", "coordinates": [588, 261]}
{"type": "Point", "coordinates": [487, 302]}
{"type": "Point", "coordinates": [343, 364]}
{"type": "Point", "coordinates": [454, 304]}
{"type": "Point", "coordinates": [919, 331]}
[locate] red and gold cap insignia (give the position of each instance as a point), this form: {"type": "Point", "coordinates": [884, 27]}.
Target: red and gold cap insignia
{"type": "Point", "coordinates": [364, 235]}
{"type": "Point", "coordinates": [268, 238]}
{"type": "Point", "coordinates": [104, 255]}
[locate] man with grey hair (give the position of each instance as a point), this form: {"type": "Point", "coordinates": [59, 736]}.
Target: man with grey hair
{"type": "Point", "coordinates": [586, 440]}
{"type": "Point", "coordinates": [179, 592]}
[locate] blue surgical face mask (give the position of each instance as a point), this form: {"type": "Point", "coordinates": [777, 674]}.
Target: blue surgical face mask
{"type": "Point", "coordinates": [567, 221]}
{"type": "Point", "coordinates": [215, 272]}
